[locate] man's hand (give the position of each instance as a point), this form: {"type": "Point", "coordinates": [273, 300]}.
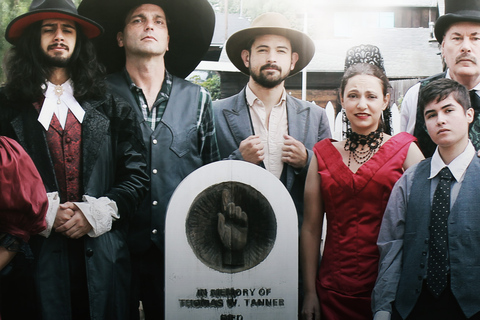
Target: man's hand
{"type": "Point", "coordinates": [77, 226]}
{"type": "Point", "coordinates": [64, 213]}
{"type": "Point", "coordinates": [294, 152]}
{"type": "Point", "coordinates": [252, 149]}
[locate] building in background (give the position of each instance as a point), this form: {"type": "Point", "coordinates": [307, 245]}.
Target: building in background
{"type": "Point", "coordinates": [402, 29]}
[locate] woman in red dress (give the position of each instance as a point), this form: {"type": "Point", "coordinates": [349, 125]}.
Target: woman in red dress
{"type": "Point", "coordinates": [350, 181]}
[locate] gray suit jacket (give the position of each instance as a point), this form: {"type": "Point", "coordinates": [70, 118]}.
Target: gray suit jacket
{"type": "Point", "coordinates": [307, 123]}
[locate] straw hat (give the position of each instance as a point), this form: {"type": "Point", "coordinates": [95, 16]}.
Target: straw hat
{"type": "Point", "coordinates": [270, 23]}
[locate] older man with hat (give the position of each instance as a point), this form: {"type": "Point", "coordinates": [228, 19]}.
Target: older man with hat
{"type": "Point", "coordinates": [458, 33]}
{"type": "Point", "coordinates": [87, 147]}
{"type": "Point", "coordinates": [262, 124]}
{"type": "Point", "coordinates": [153, 45]}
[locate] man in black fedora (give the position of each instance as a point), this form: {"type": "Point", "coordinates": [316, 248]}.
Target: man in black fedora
{"type": "Point", "coordinates": [87, 147]}
{"type": "Point", "coordinates": [262, 124]}
{"type": "Point", "coordinates": [457, 32]}
{"type": "Point", "coordinates": [154, 45]}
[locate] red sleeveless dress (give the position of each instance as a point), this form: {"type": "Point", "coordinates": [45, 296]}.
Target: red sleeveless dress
{"type": "Point", "coordinates": [354, 204]}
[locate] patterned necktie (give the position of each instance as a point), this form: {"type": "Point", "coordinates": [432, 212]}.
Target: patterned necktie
{"type": "Point", "coordinates": [437, 271]}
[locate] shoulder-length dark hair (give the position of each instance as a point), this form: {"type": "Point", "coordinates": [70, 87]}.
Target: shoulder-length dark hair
{"type": "Point", "coordinates": [26, 68]}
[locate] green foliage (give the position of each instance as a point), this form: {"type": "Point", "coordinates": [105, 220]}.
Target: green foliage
{"type": "Point", "coordinates": [212, 84]}
{"type": "Point", "coordinates": [9, 10]}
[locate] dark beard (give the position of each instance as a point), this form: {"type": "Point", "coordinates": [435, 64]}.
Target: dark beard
{"type": "Point", "coordinates": [55, 62]}
{"type": "Point", "coordinates": [265, 82]}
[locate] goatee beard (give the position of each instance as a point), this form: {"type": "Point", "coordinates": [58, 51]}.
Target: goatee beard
{"type": "Point", "coordinates": [265, 82]}
{"type": "Point", "coordinates": [55, 62]}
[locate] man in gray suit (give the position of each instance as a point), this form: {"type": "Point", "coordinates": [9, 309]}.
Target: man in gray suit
{"type": "Point", "coordinates": [263, 124]}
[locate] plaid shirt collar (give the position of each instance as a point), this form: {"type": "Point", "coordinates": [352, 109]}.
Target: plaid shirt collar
{"type": "Point", "coordinates": [154, 115]}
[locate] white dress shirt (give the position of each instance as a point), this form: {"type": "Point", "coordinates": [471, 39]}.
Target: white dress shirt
{"type": "Point", "coordinates": [271, 136]}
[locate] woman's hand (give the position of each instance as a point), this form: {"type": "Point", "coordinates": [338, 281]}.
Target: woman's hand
{"type": "Point", "coordinates": [311, 307]}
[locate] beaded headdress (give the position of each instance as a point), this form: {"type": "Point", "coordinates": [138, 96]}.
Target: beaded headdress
{"type": "Point", "coordinates": [364, 53]}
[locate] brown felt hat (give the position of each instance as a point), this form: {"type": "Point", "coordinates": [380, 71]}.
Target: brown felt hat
{"type": "Point", "coordinates": [270, 23]}
{"type": "Point", "coordinates": [457, 11]}
{"type": "Point", "coordinates": [50, 9]}
{"type": "Point", "coordinates": [190, 26]}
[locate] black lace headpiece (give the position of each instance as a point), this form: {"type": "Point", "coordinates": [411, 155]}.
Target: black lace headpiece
{"type": "Point", "coordinates": [364, 53]}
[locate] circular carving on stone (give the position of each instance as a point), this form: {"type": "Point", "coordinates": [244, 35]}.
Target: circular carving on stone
{"type": "Point", "coordinates": [231, 227]}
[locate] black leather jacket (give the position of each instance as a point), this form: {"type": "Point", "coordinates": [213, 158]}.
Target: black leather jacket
{"type": "Point", "coordinates": [114, 166]}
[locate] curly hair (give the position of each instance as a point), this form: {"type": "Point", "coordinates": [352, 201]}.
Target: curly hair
{"type": "Point", "coordinates": [26, 68]}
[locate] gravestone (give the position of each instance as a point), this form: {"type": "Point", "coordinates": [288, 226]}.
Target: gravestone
{"type": "Point", "coordinates": [231, 246]}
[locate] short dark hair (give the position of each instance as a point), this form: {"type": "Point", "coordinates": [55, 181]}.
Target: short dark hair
{"type": "Point", "coordinates": [440, 89]}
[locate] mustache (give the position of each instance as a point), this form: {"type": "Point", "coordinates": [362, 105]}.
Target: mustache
{"type": "Point", "coordinates": [465, 56]}
{"type": "Point", "coordinates": [56, 45]}
{"type": "Point", "coordinates": [271, 66]}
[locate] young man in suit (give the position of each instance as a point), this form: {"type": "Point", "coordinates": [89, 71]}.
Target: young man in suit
{"type": "Point", "coordinates": [428, 241]}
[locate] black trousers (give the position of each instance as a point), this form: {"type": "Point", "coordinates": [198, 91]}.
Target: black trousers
{"type": "Point", "coordinates": [148, 284]}
{"type": "Point", "coordinates": [78, 280]}
{"type": "Point", "coordinates": [428, 307]}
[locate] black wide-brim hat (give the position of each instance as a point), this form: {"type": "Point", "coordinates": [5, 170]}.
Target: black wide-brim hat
{"type": "Point", "coordinates": [270, 23]}
{"type": "Point", "coordinates": [457, 11]}
{"type": "Point", "coordinates": [50, 9]}
{"type": "Point", "coordinates": [190, 26]}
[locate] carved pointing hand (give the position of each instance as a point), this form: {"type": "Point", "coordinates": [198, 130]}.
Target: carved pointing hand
{"type": "Point", "coordinates": [232, 224]}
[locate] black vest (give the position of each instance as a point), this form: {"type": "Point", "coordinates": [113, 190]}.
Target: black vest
{"type": "Point", "coordinates": [172, 154]}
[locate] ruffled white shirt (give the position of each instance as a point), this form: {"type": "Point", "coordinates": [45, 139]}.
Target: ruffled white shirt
{"type": "Point", "coordinates": [100, 212]}
{"type": "Point", "coordinates": [58, 99]}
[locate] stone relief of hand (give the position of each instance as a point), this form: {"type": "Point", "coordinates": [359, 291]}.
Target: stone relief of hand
{"type": "Point", "coordinates": [233, 230]}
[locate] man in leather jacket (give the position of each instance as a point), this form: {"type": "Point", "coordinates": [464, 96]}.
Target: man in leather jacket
{"type": "Point", "coordinates": [155, 45]}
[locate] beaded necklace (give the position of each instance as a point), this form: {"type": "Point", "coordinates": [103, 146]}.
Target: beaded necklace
{"type": "Point", "coordinates": [369, 145]}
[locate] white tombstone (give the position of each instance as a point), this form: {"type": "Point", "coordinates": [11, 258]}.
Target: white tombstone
{"type": "Point", "coordinates": [204, 280]}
